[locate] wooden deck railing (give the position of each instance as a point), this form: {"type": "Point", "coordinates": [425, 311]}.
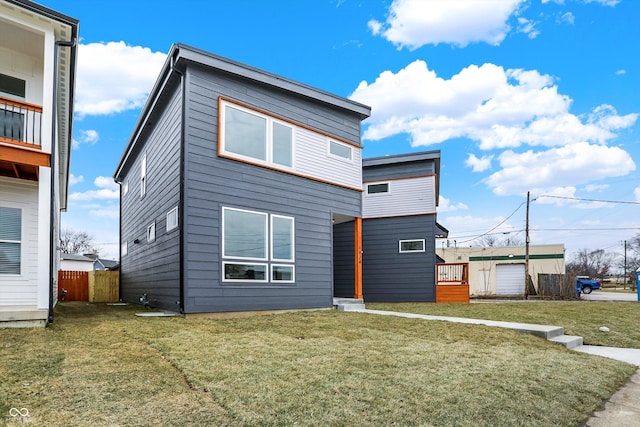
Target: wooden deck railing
{"type": "Point", "coordinates": [20, 123]}
{"type": "Point", "coordinates": [452, 282]}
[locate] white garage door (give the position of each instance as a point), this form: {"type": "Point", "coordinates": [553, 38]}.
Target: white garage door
{"type": "Point", "coordinates": [510, 279]}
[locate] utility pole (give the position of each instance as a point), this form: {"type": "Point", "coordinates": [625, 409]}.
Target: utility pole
{"type": "Point", "coordinates": [625, 265]}
{"type": "Point", "coordinates": [526, 252]}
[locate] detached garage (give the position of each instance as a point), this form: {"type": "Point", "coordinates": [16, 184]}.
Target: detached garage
{"type": "Point", "coordinates": [499, 271]}
{"type": "Point", "coordinates": [509, 279]}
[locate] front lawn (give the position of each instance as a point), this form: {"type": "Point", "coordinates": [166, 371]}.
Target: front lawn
{"type": "Point", "coordinates": [581, 318]}
{"type": "Point", "coordinates": [101, 365]}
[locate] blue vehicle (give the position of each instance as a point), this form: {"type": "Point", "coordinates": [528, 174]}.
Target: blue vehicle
{"type": "Point", "coordinates": [585, 285]}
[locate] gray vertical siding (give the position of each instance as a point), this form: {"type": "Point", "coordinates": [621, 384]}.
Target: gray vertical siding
{"type": "Point", "coordinates": [343, 260]}
{"type": "Point", "coordinates": [212, 183]}
{"type": "Point", "coordinates": [153, 268]}
{"type": "Point", "coordinates": [389, 276]}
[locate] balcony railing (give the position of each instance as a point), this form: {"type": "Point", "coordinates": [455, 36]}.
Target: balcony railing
{"type": "Point", "coordinates": [20, 123]}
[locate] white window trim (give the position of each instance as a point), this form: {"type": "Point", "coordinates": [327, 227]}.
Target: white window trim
{"type": "Point", "coordinates": [411, 251]}
{"type": "Point", "coordinates": [267, 272]}
{"type": "Point", "coordinates": [169, 214]}
{"type": "Point", "coordinates": [378, 183]}
{"type": "Point", "coordinates": [151, 232]}
{"type": "Point", "coordinates": [143, 175]}
{"type": "Point", "coordinates": [124, 248]}
{"type": "Point", "coordinates": [293, 273]}
{"type": "Point", "coordinates": [268, 137]}
{"type": "Point", "coordinates": [21, 242]}
{"type": "Point", "coordinates": [293, 238]}
{"type": "Point", "coordinates": [335, 156]}
{"type": "Point", "coordinates": [266, 240]}
{"type": "Point", "coordinates": [125, 188]}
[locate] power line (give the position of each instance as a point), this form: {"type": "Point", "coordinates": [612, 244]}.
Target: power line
{"type": "Point", "coordinates": [502, 222]}
{"type": "Point", "coordinates": [589, 200]}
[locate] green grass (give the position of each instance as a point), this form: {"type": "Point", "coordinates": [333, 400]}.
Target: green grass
{"type": "Point", "coordinates": [581, 318]}
{"type": "Point", "coordinates": [99, 365]}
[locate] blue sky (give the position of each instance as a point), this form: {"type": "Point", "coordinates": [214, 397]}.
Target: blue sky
{"type": "Point", "coordinates": [519, 95]}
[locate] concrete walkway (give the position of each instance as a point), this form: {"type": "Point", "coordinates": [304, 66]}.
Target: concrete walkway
{"type": "Point", "coordinates": [621, 410]}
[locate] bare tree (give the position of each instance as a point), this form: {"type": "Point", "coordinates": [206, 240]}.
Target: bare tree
{"type": "Point", "coordinates": [490, 240]}
{"type": "Point", "coordinates": [595, 264]}
{"type": "Point", "coordinates": [77, 242]}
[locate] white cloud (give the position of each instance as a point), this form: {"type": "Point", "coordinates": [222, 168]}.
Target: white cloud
{"type": "Point", "coordinates": [73, 180]}
{"type": "Point", "coordinates": [106, 182]}
{"type": "Point", "coordinates": [528, 27]}
{"type": "Point", "coordinates": [102, 194]}
{"type": "Point", "coordinates": [592, 188]}
{"type": "Point", "coordinates": [636, 192]}
{"type": "Point", "coordinates": [478, 164]}
{"type": "Point", "coordinates": [572, 164]}
{"type": "Point", "coordinates": [610, 3]}
{"type": "Point", "coordinates": [113, 77]}
{"type": "Point", "coordinates": [621, 72]}
{"type": "Point", "coordinates": [89, 137]}
{"type": "Point", "coordinates": [445, 205]}
{"type": "Point", "coordinates": [415, 23]}
{"type": "Point", "coordinates": [498, 108]}
{"type": "Point", "coordinates": [112, 212]}
{"type": "Point", "coordinates": [567, 18]}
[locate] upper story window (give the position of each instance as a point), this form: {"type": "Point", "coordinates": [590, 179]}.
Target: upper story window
{"type": "Point", "coordinates": [253, 136]}
{"type": "Point", "coordinates": [340, 150]}
{"type": "Point", "coordinates": [12, 87]}
{"type": "Point", "coordinates": [172, 219]}
{"type": "Point", "coordinates": [143, 175]}
{"type": "Point", "coordinates": [378, 188]}
{"type": "Point", "coordinates": [10, 240]}
{"type": "Point", "coordinates": [151, 232]}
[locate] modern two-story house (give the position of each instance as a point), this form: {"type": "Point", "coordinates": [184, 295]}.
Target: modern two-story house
{"type": "Point", "coordinates": [37, 77]}
{"type": "Point", "coordinates": [242, 190]}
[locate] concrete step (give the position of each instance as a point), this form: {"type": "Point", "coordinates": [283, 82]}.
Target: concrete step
{"type": "Point", "coordinates": [569, 341]}
{"type": "Point", "coordinates": [348, 304]}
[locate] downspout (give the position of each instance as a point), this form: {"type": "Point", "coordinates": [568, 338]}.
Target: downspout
{"type": "Point", "coordinates": [181, 202]}
{"type": "Point", "coordinates": [52, 215]}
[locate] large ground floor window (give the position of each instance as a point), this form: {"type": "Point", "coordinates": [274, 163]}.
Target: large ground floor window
{"type": "Point", "coordinates": [257, 247]}
{"type": "Point", "coordinates": [10, 240]}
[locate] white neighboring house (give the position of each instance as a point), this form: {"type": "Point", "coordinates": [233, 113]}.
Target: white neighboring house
{"type": "Point", "coordinates": [37, 79]}
{"type": "Point", "coordinates": [73, 262]}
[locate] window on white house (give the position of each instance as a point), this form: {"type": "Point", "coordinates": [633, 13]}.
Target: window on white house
{"type": "Point", "coordinates": [10, 240]}
{"type": "Point", "coordinates": [407, 246]}
{"type": "Point", "coordinates": [249, 135]}
{"type": "Point", "coordinates": [151, 232]}
{"type": "Point", "coordinates": [124, 248]}
{"type": "Point", "coordinates": [382, 187]}
{"type": "Point", "coordinates": [12, 87]}
{"type": "Point", "coordinates": [340, 150]}
{"type": "Point", "coordinates": [143, 175]}
{"type": "Point", "coordinates": [172, 219]}
{"type": "Point", "coordinates": [245, 241]}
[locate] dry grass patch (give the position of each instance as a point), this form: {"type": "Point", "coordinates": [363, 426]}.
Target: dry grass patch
{"type": "Point", "coordinates": [101, 365]}
{"type": "Point", "coordinates": [581, 318]}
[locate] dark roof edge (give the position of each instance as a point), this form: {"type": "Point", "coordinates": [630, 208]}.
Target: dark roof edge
{"type": "Point", "coordinates": [225, 64]}
{"type": "Point", "coordinates": [45, 11]}
{"type": "Point", "coordinates": [401, 158]}
{"type": "Point", "coordinates": [180, 52]}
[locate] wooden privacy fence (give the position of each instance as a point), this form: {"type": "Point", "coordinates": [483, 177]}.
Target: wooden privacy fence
{"type": "Point", "coordinates": [92, 286]}
{"type": "Point", "coordinates": [73, 285]}
{"type": "Point", "coordinates": [452, 282]}
{"type": "Point", "coordinates": [556, 286]}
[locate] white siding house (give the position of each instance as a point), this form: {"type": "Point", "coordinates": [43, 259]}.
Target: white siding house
{"type": "Point", "coordinates": [37, 73]}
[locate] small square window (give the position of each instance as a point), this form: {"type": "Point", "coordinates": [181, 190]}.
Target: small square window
{"type": "Point", "coordinates": [379, 188]}
{"type": "Point", "coordinates": [151, 232]}
{"type": "Point", "coordinates": [337, 149]}
{"type": "Point", "coordinates": [283, 273]}
{"type": "Point", "coordinates": [408, 246]}
{"type": "Point", "coordinates": [125, 188]}
{"type": "Point", "coordinates": [124, 248]}
{"type": "Point", "coordinates": [172, 219]}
